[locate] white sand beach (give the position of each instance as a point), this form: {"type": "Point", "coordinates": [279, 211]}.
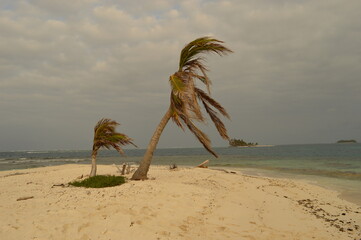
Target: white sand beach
{"type": "Point", "coordinates": [188, 203]}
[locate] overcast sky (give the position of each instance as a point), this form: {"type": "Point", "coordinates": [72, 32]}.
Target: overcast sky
{"type": "Point", "coordinates": [294, 76]}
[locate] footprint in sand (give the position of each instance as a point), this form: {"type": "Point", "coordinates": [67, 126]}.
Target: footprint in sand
{"type": "Point", "coordinates": [147, 211]}
{"type": "Point", "coordinates": [221, 228]}
{"type": "Point", "coordinates": [81, 227]}
{"type": "Point", "coordinates": [164, 233]}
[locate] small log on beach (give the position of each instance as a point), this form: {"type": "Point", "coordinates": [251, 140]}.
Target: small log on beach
{"type": "Point", "coordinates": [203, 164]}
{"type": "Point", "coordinates": [24, 198]}
{"type": "Point", "coordinates": [59, 185]}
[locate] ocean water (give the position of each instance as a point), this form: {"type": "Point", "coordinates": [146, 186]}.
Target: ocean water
{"type": "Point", "coordinates": [335, 166]}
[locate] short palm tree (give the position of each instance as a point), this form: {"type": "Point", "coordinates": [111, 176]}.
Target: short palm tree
{"type": "Point", "coordinates": [185, 99]}
{"type": "Point", "coordinates": [105, 136]}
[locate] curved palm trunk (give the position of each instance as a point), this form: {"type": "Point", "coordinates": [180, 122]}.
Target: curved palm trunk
{"type": "Point", "coordinates": [93, 171]}
{"type": "Point", "coordinates": [142, 171]}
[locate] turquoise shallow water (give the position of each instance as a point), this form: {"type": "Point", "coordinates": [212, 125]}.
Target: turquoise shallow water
{"type": "Point", "coordinates": [336, 166]}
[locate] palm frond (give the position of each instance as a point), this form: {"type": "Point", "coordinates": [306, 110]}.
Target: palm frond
{"type": "Point", "coordinates": [118, 148]}
{"type": "Point", "coordinates": [175, 112]}
{"type": "Point", "coordinates": [201, 136]}
{"type": "Point", "coordinates": [184, 117]}
{"type": "Point", "coordinates": [217, 121]}
{"type": "Point", "coordinates": [193, 67]}
{"type": "Point", "coordinates": [177, 84]}
{"type": "Point", "coordinates": [185, 96]}
{"type": "Point", "coordinates": [105, 136]}
{"type": "Point", "coordinates": [205, 97]}
{"type": "Point", "coordinates": [201, 45]}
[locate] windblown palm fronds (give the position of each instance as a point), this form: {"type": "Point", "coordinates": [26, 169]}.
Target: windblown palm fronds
{"type": "Point", "coordinates": [186, 98]}
{"type": "Point", "coordinates": [106, 136]}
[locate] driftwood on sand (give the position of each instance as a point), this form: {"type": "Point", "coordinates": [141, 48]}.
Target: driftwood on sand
{"type": "Point", "coordinates": [24, 198]}
{"type": "Point", "coordinates": [173, 166]}
{"type": "Point", "coordinates": [59, 185]}
{"type": "Point", "coordinates": [123, 169]}
{"type": "Point", "coordinates": [203, 164]}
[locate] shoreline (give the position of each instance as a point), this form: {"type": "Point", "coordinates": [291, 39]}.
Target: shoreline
{"type": "Point", "coordinates": [342, 186]}
{"type": "Point", "coordinates": [321, 181]}
{"type": "Point", "coordinates": [187, 203]}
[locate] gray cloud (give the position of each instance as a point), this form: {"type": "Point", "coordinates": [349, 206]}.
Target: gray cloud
{"type": "Point", "coordinates": [293, 76]}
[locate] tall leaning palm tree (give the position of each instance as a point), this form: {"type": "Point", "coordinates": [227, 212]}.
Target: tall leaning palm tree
{"type": "Point", "coordinates": [186, 97]}
{"type": "Point", "coordinates": [105, 136]}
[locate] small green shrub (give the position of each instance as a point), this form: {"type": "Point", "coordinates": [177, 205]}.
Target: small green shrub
{"type": "Point", "coordinates": [99, 181]}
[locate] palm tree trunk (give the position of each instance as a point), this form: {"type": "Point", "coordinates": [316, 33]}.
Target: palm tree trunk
{"type": "Point", "coordinates": [93, 171]}
{"type": "Point", "coordinates": [142, 171]}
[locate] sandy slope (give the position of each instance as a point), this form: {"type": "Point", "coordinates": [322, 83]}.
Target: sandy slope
{"type": "Point", "coordinates": [181, 204]}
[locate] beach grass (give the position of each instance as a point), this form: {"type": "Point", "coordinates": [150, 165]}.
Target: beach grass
{"type": "Point", "coordinates": [100, 181]}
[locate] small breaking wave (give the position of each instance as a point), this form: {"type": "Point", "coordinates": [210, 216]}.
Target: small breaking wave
{"type": "Point", "coordinates": [45, 160]}
{"type": "Point", "coordinates": [35, 152]}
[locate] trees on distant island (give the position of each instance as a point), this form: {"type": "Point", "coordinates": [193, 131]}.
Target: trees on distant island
{"type": "Point", "coordinates": [240, 143]}
{"type": "Point", "coordinates": [347, 141]}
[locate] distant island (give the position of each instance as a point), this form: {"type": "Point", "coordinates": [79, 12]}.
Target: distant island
{"type": "Point", "coordinates": [347, 141]}
{"type": "Point", "coordinates": [240, 143]}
